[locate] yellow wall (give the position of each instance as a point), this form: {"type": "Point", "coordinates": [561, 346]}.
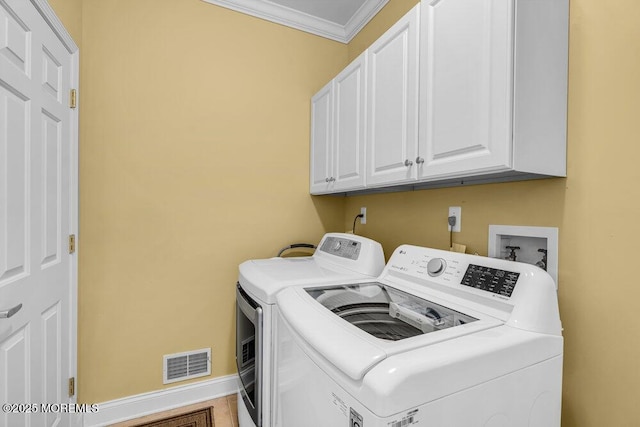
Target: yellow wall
{"type": "Point", "coordinates": [70, 13]}
{"type": "Point", "coordinates": [596, 210]}
{"type": "Point", "coordinates": [194, 157]}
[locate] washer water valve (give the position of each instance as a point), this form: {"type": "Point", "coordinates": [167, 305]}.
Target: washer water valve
{"type": "Point", "coordinates": [512, 254]}
{"type": "Point", "coordinates": [543, 262]}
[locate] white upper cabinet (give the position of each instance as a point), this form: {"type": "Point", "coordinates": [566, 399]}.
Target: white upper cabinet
{"type": "Point", "coordinates": [321, 143]}
{"type": "Point", "coordinates": [349, 125]}
{"type": "Point", "coordinates": [457, 92]}
{"type": "Point", "coordinates": [392, 106]}
{"type": "Point", "coordinates": [465, 80]}
{"type": "Point", "coordinates": [338, 131]}
{"type": "Point", "coordinates": [493, 88]}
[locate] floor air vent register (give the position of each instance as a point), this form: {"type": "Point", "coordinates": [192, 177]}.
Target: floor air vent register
{"type": "Point", "coordinates": [187, 365]}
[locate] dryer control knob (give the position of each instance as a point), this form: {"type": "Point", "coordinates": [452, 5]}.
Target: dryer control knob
{"type": "Point", "coordinates": [436, 266]}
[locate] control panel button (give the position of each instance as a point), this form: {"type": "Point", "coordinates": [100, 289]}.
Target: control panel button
{"type": "Point", "coordinates": [436, 266]}
{"type": "Point", "coordinates": [342, 248]}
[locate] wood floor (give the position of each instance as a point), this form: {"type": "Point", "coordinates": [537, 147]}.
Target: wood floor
{"type": "Point", "coordinates": [225, 412]}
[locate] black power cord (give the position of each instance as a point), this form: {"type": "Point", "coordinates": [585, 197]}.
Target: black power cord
{"type": "Point", "coordinates": [452, 223]}
{"type": "Point", "coordinates": [354, 222]}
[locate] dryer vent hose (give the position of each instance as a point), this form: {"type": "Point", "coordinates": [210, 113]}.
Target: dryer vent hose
{"type": "Point", "coordinates": [296, 245]}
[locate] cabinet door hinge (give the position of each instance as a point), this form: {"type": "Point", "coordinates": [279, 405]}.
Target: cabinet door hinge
{"type": "Point", "coordinates": [72, 243]}
{"type": "Point", "coordinates": [73, 98]}
{"type": "Point", "coordinates": [72, 386]}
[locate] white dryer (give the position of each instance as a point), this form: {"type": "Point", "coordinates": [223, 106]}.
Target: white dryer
{"type": "Point", "coordinates": [339, 258]}
{"type": "Point", "coordinates": [440, 339]}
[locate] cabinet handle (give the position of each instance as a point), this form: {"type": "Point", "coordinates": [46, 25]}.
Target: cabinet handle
{"type": "Point", "coordinates": [5, 314]}
{"type": "Point", "coordinates": [326, 180]}
{"type": "Point", "coordinates": [408, 162]}
{"type": "Point", "coordinates": [332, 179]}
{"type": "Point", "coordinates": [419, 160]}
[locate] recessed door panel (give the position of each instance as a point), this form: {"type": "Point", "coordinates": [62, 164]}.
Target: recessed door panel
{"type": "Point", "coordinates": [321, 140]}
{"type": "Point", "coordinates": [15, 353]}
{"type": "Point", "coordinates": [14, 184]}
{"type": "Point", "coordinates": [388, 99]}
{"type": "Point", "coordinates": [392, 116]}
{"type": "Point", "coordinates": [51, 182]}
{"type": "Point", "coordinates": [51, 75]}
{"type": "Point", "coordinates": [349, 124]}
{"type": "Point", "coordinates": [15, 40]}
{"type": "Point", "coordinates": [466, 86]}
{"type": "Point", "coordinates": [52, 369]}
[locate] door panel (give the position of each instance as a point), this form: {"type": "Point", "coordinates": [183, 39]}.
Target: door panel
{"type": "Point", "coordinates": [321, 126]}
{"type": "Point", "coordinates": [14, 39]}
{"type": "Point", "coordinates": [14, 356]}
{"type": "Point", "coordinates": [51, 232]}
{"type": "Point", "coordinates": [466, 96]}
{"type": "Point", "coordinates": [349, 92]}
{"type": "Point", "coordinates": [392, 116]}
{"type": "Point", "coordinates": [52, 384]}
{"type": "Point", "coordinates": [36, 214]}
{"type": "Point", "coordinates": [51, 75]}
{"type": "Point", "coordinates": [14, 178]}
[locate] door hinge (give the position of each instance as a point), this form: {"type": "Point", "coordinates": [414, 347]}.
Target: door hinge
{"type": "Point", "coordinates": [72, 386]}
{"type": "Point", "coordinates": [72, 243]}
{"type": "Point", "coordinates": [73, 98]}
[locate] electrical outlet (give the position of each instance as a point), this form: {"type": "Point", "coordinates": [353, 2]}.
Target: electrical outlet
{"type": "Point", "coordinates": [457, 212]}
{"type": "Point", "coordinates": [363, 212]}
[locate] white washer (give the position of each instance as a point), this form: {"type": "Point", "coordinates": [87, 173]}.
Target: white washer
{"type": "Point", "coordinates": [339, 258]}
{"type": "Point", "coordinates": [440, 339]}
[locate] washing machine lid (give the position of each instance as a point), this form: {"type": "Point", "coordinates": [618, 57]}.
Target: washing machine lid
{"type": "Point", "coordinates": [333, 322]}
{"type": "Point", "coordinates": [340, 257]}
{"type": "Point", "coordinates": [264, 278]}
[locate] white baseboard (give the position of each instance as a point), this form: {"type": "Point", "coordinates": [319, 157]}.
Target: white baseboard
{"type": "Point", "coordinates": [162, 400]}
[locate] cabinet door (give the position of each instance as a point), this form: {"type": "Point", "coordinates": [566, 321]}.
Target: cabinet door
{"type": "Point", "coordinates": [392, 114]}
{"type": "Point", "coordinates": [466, 80]}
{"type": "Point", "coordinates": [321, 128]}
{"type": "Point", "coordinates": [349, 92]}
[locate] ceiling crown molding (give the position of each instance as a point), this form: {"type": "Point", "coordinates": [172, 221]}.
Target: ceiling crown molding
{"type": "Point", "coordinates": [362, 17]}
{"type": "Point", "coordinates": [289, 17]}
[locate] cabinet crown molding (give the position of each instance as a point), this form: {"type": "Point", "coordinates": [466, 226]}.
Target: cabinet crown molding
{"type": "Point", "coordinates": [340, 28]}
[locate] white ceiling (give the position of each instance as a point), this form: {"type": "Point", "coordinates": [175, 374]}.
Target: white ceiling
{"type": "Point", "coordinates": [338, 20]}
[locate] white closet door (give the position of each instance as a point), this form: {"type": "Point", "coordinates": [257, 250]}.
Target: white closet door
{"type": "Point", "coordinates": [37, 203]}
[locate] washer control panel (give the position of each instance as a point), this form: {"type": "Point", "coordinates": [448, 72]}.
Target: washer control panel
{"type": "Point", "coordinates": [492, 280]}
{"type": "Point", "coordinates": [448, 268]}
{"type": "Point", "coordinates": [341, 247]}
{"type": "Point", "coordinates": [522, 295]}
